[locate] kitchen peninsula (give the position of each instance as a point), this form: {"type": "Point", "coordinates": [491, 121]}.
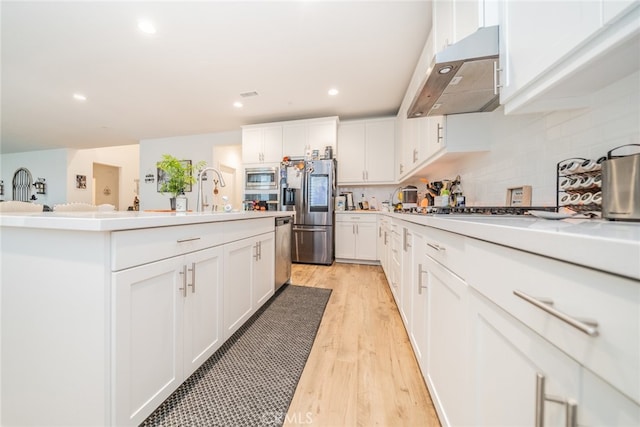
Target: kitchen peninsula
{"type": "Point", "coordinates": [105, 314]}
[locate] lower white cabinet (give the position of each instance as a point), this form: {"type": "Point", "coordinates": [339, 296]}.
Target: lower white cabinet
{"type": "Point", "coordinates": [356, 237]}
{"type": "Point", "coordinates": [490, 357]}
{"type": "Point", "coordinates": [166, 325]}
{"type": "Point", "coordinates": [248, 279]}
{"type": "Point", "coordinates": [448, 355]}
{"type": "Point", "coordinates": [517, 375]}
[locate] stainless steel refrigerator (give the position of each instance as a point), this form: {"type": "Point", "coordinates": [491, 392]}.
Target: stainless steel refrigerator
{"type": "Point", "coordinates": [308, 188]}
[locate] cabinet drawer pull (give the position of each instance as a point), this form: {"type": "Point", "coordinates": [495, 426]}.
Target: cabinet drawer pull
{"type": "Point", "coordinates": [588, 326]}
{"type": "Point", "coordinates": [193, 277]}
{"type": "Point", "coordinates": [496, 85]}
{"type": "Point", "coordinates": [571, 419]}
{"type": "Point", "coordinates": [183, 273]}
{"type": "Point", "coordinates": [190, 239]}
{"type": "Point", "coordinates": [420, 273]}
{"type": "Point", "coordinates": [437, 247]}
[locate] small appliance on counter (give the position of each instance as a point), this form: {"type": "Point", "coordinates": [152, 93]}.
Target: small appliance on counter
{"type": "Point", "coordinates": [621, 186]}
{"type": "Point", "coordinates": [409, 197]}
{"type": "Point", "coordinates": [349, 203]}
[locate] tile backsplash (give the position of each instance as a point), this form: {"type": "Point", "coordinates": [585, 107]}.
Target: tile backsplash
{"type": "Point", "coordinates": [525, 149]}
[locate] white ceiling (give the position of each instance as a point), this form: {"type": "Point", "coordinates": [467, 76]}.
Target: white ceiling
{"type": "Point", "coordinates": [184, 79]}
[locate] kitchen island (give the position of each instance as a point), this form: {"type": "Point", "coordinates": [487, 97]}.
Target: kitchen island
{"type": "Point", "coordinates": [104, 314]}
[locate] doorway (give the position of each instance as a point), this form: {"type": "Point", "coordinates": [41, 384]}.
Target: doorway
{"type": "Point", "coordinates": [106, 185]}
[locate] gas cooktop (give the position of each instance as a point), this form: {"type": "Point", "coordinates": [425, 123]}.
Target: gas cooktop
{"type": "Point", "coordinates": [481, 210]}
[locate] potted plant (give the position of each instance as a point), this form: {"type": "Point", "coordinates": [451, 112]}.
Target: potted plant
{"type": "Point", "coordinates": [178, 176]}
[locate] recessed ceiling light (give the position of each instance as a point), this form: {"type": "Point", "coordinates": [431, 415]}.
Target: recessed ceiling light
{"type": "Point", "coordinates": [237, 104]}
{"type": "Point", "coordinates": [146, 27]}
{"type": "Point", "coordinates": [333, 92]}
{"type": "Point", "coordinates": [446, 69]}
{"type": "Point", "coordinates": [79, 97]}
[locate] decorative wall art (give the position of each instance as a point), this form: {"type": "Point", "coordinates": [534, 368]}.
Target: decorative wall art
{"type": "Point", "coordinates": [81, 182]}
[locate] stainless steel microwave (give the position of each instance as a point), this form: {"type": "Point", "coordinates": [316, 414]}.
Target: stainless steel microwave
{"type": "Point", "coordinates": [261, 178]}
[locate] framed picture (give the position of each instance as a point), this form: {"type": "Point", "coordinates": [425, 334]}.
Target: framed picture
{"type": "Point", "coordinates": [81, 182]}
{"type": "Point", "coordinates": [162, 176]}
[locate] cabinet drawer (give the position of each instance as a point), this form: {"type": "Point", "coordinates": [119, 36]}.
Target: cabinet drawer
{"type": "Point", "coordinates": [356, 217]}
{"type": "Point", "coordinates": [136, 247]}
{"type": "Point", "coordinates": [612, 352]}
{"type": "Point", "coordinates": [446, 248]}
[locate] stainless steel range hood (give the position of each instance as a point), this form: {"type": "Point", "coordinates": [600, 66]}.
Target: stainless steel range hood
{"type": "Point", "coordinates": [461, 78]}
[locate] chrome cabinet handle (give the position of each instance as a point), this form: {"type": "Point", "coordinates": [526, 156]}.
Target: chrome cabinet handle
{"type": "Point", "coordinates": [405, 239]}
{"type": "Point", "coordinates": [259, 250]}
{"type": "Point", "coordinates": [190, 239]}
{"type": "Point", "coordinates": [496, 70]}
{"type": "Point", "coordinates": [439, 134]}
{"type": "Point", "coordinates": [255, 255]}
{"type": "Point", "coordinates": [415, 155]}
{"type": "Point", "coordinates": [571, 405]}
{"type": "Point", "coordinates": [587, 326]}
{"type": "Point", "coordinates": [437, 247]}
{"type": "Point", "coordinates": [420, 273]}
{"type": "Point", "coordinates": [193, 277]}
{"type": "Point", "coordinates": [183, 273]}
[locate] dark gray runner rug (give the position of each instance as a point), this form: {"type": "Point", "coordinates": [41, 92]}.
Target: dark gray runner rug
{"type": "Point", "coordinates": [251, 379]}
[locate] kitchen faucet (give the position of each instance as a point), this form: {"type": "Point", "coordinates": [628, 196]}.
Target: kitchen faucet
{"type": "Point", "coordinates": [200, 200]}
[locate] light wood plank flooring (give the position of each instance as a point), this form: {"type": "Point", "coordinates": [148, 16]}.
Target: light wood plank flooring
{"type": "Point", "coordinates": [361, 370]}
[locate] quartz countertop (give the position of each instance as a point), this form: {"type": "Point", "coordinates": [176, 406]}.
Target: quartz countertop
{"type": "Point", "coordinates": [123, 220]}
{"type": "Point", "coordinates": [604, 245]}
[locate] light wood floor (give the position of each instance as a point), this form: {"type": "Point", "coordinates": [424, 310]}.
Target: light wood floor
{"type": "Point", "coordinates": [361, 370]}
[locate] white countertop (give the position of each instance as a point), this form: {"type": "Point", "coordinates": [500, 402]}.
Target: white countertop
{"type": "Point", "coordinates": [604, 245]}
{"type": "Point", "coordinates": [112, 221]}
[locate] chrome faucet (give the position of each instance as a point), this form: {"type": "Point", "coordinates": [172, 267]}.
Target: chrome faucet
{"type": "Point", "coordinates": [200, 200]}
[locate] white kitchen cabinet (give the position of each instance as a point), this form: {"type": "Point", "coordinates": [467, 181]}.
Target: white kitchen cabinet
{"type": "Point", "coordinates": [302, 136]}
{"type": "Point", "coordinates": [383, 244]}
{"type": "Point", "coordinates": [569, 67]}
{"type": "Point", "coordinates": [167, 324]}
{"type": "Point", "coordinates": [412, 250]}
{"type": "Point", "coordinates": [454, 20]}
{"type": "Point", "coordinates": [434, 141]}
{"type": "Point", "coordinates": [263, 284]}
{"type": "Point", "coordinates": [248, 279]}
{"type": "Point", "coordinates": [368, 146]}
{"type": "Point", "coordinates": [262, 144]}
{"type": "Point", "coordinates": [448, 358]}
{"type": "Point", "coordinates": [356, 237]}
{"type": "Point", "coordinates": [610, 350]}
{"type": "Point", "coordinates": [508, 360]}
{"type": "Point", "coordinates": [395, 261]}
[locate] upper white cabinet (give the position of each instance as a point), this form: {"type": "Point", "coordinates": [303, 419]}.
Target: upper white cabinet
{"type": "Point", "coordinates": [304, 136]}
{"type": "Point", "coordinates": [262, 144]}
{"type": "Point", "coordinates": [427, 142]}
{"type": "Point", "coordinates": [560, 66]}
{"type": "Point", "coordinates": [269, 142]}
{"type": "Point", "coordinates": [454, 20]}
{"type": "Point", "coordinates": [366, 148]}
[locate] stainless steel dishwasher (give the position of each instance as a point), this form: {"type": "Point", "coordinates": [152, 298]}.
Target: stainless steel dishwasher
{"type": "Point", "coordinates": [283, 251]}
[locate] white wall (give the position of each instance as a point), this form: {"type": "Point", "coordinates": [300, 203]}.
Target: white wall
{"type": "Point", "coordinates": [194, 148]}
{"type": "Point", "coordinates": [60, 167]}
{"type": "Point", "coordinates": [525, 149]}
{"type": "Point", "coordinates": [80, 162]}
{"type": "Point", "coordinates": [48, 164]}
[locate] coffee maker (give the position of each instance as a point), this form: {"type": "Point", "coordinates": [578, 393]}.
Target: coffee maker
{"type": "Point", "coordinates": [349, 203]}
